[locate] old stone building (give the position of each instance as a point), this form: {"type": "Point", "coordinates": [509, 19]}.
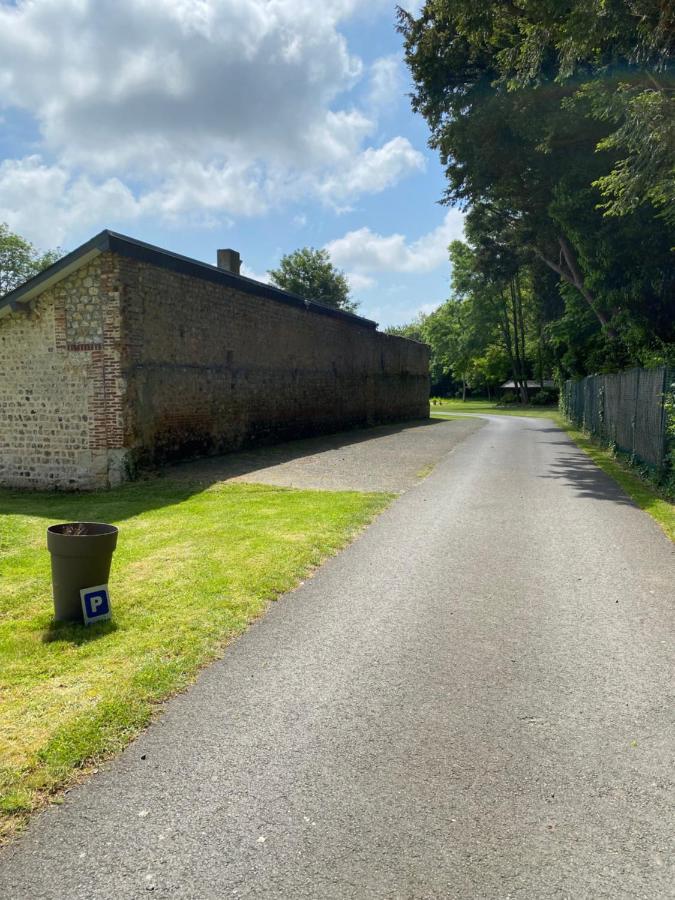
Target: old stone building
{"type": "Point", "coordinates": [123, 355]}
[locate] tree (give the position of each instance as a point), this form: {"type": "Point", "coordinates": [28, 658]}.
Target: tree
{"type": "Point", "coordinates": [311, 274]}
{"type": "Point", "coordinates": [20, 260]}
{"type": "Point", "coordinates": [554, 124]}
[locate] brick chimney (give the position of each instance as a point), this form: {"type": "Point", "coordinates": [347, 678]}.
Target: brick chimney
{"type": "Point", "coordinates": [229, 260]}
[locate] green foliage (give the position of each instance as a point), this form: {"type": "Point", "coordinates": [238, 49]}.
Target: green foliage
{"type": "Point", "coordinates": [555, 126]}
{"type": "Point", "coordinates": [19, 260]}
{"type": "Point", "coordinates": [311, 274]}
{"type": "Point", "coordinates": [645, 140]}
{"type": "Point", "coordinates": [542, 398]}
{"type": "Point", "coordinates": [414, 331]}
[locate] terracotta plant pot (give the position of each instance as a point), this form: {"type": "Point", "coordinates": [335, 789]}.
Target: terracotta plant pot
{"type": "Point", "coordinates": [81, 555]}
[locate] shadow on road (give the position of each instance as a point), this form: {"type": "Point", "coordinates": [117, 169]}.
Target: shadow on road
{"type": "Point", "coordinates": [589, 481]}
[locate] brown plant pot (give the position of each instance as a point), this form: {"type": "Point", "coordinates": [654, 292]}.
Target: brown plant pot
{"type": "Point", "coordinates": [81, 555]}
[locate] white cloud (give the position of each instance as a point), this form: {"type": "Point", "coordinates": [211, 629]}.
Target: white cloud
{"type": "Point", "coordinates": [412, 6]}
{"type": "Point", "coordinates": [256, 276]}
{"type": "Point", "coordinates": [374, 170]}
{"type": "Point", "coordinates": [363, 251]}
{"type": "Point", "coordinates": [46, 203]}
{"type": "Point", "coordinates": [204, 106]}
{"type": "Point", "coordinates": [386, 82]}
{"type": "Point", "coordinates": [359, 282]}
{"type": "Point", "coordinates": [426, 309]}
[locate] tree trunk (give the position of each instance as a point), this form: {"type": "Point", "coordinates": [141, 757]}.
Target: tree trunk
{"type": "Point", "coordinates": [525, 397]}
{"type": "Point", "coordinates": [518, 345]}
{"type": "Point", "coordinates": [502, 312]}
{"type": "Point", "coordinates": [568, 269]}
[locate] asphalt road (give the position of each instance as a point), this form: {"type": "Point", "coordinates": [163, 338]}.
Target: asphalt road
{"type": "Point", "coordinates": [470, 702]}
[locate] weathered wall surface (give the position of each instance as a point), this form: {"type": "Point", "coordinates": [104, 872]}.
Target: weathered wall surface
{"type": "Point", "coordinates": [124, 364]}
{"type": "Point", "coordinates": [211, 369]}
{"type": "Point", "coordinates": [61, 390]}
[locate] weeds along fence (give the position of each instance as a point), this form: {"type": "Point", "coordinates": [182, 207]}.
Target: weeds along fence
{"type": "Point", "coordinates": [630, 411]}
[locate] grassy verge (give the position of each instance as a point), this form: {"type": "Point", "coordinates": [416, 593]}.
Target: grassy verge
{"type": "Point", "coordinates": [193, 567]}
{"type": "Point", "coordinates": [643, 493]}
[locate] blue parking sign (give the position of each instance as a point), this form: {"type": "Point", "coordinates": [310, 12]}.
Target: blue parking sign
{"type": "Point", "coordinates": [95, 604]}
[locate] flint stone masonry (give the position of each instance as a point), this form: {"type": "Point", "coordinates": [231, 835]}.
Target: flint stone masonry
{"type": "Point", "coordinates": [125, 362]}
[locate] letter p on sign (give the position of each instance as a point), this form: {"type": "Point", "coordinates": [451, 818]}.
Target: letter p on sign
{"type": "Point", "coordinates": [95, 604]}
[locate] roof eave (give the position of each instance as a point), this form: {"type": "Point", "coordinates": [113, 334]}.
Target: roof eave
{"type": "Point", "coordinates": [60, 269]}
{"type": "Point", "coordinates": [131, 247]}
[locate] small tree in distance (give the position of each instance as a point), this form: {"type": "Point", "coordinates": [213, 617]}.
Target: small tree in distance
{"type": "Point", "coordinates": [20, 260]}
{"type": "Point", "coordinates": [311, 274]}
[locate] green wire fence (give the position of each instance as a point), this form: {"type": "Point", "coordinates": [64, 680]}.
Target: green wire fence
{"type": "Point", "coordinates": [629, 411]}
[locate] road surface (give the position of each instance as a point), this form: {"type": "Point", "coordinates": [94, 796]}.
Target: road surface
{"type": "Point", "coordinates": [471, 701]}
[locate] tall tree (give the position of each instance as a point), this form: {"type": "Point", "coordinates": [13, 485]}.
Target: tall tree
{"type": "Point", "coordinates": [311, 274]}
{"type": "Point", "coordinates": [510, 92]}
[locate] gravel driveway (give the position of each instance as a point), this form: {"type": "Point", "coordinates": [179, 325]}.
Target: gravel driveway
{"type": "Point", "coordinates": [384, 458]}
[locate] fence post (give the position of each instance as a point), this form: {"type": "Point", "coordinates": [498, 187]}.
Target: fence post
{"type": "Point", "coordinates": [665, 388]}
{"type": "Point", "coordinates": [635, 412]}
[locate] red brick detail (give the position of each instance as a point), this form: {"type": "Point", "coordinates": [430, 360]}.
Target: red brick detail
{"type": "Point", "coordinates": [60, 340]}
{"type": "Point", "coordinates": [81, 347]}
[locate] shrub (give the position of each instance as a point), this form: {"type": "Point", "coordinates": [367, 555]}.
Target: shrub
{"type": "Point", "coordinates": [542, 398]}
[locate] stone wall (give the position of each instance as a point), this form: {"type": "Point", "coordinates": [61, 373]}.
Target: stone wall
{"type": "Point", "coordinates": [61, 390]}
{"type": "Point", "coordinates": [211, 369]}
{"type": "Point", "coordinates": [125, 364]}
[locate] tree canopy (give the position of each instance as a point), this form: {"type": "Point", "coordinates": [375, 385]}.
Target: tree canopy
{"type": "Point", "coordinates": [20, 260]}
{"type": "Point", "coordinates": [311, 274]}
{"type": "Point", "coordinates": [555, 123]}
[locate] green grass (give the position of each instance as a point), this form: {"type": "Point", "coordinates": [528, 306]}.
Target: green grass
{"type": "Point", "coordinates": [193, 567]}
{"type": "Point", "coordinates": [643, 493]}
{"type": "Point", "coordinates": [487, 406]}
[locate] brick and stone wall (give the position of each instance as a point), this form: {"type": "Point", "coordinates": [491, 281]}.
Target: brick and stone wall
{"type": "Point", "coordinates": [211, 369]}
{"type": "Point", "coordinates": [61, 389]}
{"type": "Point", "coordinates": [124, 364]}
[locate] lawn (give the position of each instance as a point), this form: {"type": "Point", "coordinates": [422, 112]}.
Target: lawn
{"type": "Point", "coordinates": [487, 406]}
{"type": "Point", "coordinates": [193, 567]}
{"type": "Point", "coordinates": [642, 492]}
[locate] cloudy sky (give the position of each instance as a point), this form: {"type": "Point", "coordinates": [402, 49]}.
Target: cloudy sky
{"type": "Point", "coordinates": [263, 125]}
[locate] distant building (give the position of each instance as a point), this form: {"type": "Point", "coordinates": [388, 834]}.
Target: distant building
{"type": "Point", "coordinates": [532, 386]}
{"type": "Point", "coordinates": [123, 355]}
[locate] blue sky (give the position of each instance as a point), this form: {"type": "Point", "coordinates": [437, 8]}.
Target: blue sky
{"type": "Point", "coordinates": [263, 125]}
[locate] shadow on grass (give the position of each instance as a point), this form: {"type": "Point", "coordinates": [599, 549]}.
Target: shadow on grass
{"type": "Point", "coordinates": [177, 483]}
{"type": "Point", "coordinates": [111, 506]}
{"type": "Point", "coordinates": [75, 633]}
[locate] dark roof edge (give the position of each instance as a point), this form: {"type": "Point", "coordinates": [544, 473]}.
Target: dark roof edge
{"type": "Point", "coordinates": [175, 262]}
{"type": "Point", "coordinates": [56, 271]}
